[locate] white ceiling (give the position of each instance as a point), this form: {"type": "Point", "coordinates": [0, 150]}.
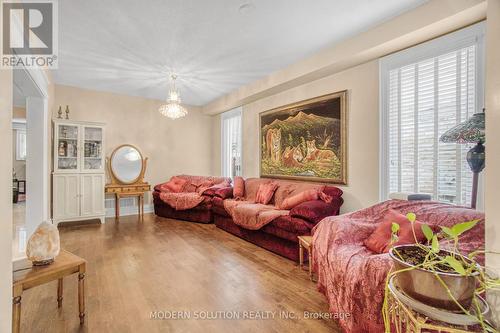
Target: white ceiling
{"type": "Point", "coordinates": [130, 46]}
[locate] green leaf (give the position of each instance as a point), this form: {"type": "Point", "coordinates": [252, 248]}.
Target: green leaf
{"type": "Point", "coordinates": [460, 228]}
{"type": "Point", "coordinates": [435, 244]}
{"type": "Point", "coordinates": [427, 232]}
{"type": "Point", "coordinates": [449, 232]}
{"type": "Point", "coordinates": [455, 264]}
{"type": "Point", "coordinates": [411, 217]}
{"type": "Point", "coordinates": [394, 228]}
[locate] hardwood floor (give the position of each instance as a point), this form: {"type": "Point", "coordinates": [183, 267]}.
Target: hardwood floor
{"type": "Point", "coordinates": [138, 267]}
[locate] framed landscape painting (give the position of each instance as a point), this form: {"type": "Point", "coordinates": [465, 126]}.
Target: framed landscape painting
{"type": "Point", "coordinates": [306, 140]}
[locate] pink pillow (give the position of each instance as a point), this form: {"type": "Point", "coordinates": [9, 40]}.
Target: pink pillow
{"type": "Point", "coordinates": [175, 184]}
{"type": "Point", "coordinates": [265, 193]}
{"type": "Point", "coordinates": [299, 198]}
{"type": "Point", "coordinates": [315, 210]}
{"type": "Point", "coordinates": [325, 197]}
{"type": "Point", "coordinates": [214, 188]}
{"type": "Point", "coordinates": [379, 241]}
{"type": "Point", "coordinates": [204, 186]}
{"type": "Point", "coordinates": [239, 187]}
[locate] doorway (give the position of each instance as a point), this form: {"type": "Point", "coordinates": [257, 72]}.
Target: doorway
{"type": "Point", "coordinates": [30, 153]}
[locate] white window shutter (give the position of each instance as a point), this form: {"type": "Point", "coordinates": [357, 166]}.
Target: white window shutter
{"type": "Point", "coordinates": [422, 97]}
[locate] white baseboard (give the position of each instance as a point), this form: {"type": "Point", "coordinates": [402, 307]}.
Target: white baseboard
{"type": "Point", "coordinates": [128, 206]}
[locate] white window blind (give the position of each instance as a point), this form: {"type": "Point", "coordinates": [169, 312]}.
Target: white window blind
{"type": "Point", "coordinates": [21, 144]}
{"type": "Point", "coordinates": [425, 91]}
{"type": "Point", "coordinates": [231, 143]}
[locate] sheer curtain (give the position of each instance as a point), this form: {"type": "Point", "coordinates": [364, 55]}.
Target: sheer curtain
{"type": "Point", "coordinates": [231, 143]}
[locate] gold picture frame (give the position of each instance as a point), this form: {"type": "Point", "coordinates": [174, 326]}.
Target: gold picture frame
{"type": "Point", "coordinates": [289, 137]}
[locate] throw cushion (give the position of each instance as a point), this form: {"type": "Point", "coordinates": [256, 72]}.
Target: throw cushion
{"type": "Point", "coordinates": [212, 190]}
{"type": "Point", "coordinates": [380, 240]}
{"type": "Point", "coordinates": [224, 193]}
{"type": "Point", "coordinates": [265, 193]}
{"type": "Point", "coordinates": [333, 191]}
{"type": "Point", "coordinates": [299, 198]}
{"type": "Point", "coordinates": [314, 210]}
{"type": "Point", "coordinates": [175, 184]}
{"type": "Point", "coordinates": [239, 187]}
{"type": "Point", "coordinates": [325, 197]}
{"type": "Point", "coordinates": [204, 186]}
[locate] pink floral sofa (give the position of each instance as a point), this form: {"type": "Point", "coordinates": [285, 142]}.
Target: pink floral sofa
{"type": "Point", "coordinates": [189, 198]}
{"type": "Point", "coordinates": [275, 229]}
{"type": "Point", "coordinates": [352, 277]}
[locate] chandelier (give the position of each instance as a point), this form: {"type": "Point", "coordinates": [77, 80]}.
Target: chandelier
{"type": "Point", "coordinates": [173, 108]}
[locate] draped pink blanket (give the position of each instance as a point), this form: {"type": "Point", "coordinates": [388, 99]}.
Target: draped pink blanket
{"type": "Point", "coordinates": [352, 277]}
{"type": "Point", "coordinates": [251, 215]}
{"type": "Point", "coordinates": [183, 200]}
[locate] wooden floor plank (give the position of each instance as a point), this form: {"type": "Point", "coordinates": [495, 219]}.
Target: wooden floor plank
{"type": "Point", "coordinates": [136, 267]}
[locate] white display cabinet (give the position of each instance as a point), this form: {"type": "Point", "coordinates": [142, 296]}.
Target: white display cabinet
{"type": "Point", "coordinates": [78, 178]}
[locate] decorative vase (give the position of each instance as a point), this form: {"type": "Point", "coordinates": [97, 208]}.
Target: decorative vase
{"type": "Point", "coordinates": [44, 245]}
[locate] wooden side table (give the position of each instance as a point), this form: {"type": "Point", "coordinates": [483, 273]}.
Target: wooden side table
{"type": "Point", "coordinates": [305, 242]}
{"type": "Point", "coordinates": [124, 191]}
{"type": "Point", "coordinates": [64, 264]}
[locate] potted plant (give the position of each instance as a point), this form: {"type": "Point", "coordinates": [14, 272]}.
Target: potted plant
{"type": "Point", "coordinates": [441, 278]}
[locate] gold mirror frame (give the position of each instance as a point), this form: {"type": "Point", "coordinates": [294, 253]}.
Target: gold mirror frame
{"type": "Point", "coordinates": [114, 178]}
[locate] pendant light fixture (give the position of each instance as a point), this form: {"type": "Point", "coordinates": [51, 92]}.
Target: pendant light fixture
{"type": "Point", "coordinates": [173, 108]}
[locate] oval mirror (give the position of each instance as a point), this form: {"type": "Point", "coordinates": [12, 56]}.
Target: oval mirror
{"type": "Point", "coordinates": [126, 164]}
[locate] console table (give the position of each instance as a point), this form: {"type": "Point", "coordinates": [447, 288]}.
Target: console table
{"type": "Point", "coordinates": [64, 264]}
{"type": "Point", "coordinates": [123, 191]}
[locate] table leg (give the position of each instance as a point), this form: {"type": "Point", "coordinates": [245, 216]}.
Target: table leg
{"type": "Point", "coordinates": [301, 256]}
{"type": "Point", "coordinates": [310, 254]}
{"type": "Point", "coordinates": [16, 314]}
{"type": "Point", "coordinates": [81, 294]}
{"type": "Point", "coordinates": [117, 206]}
{"type": "Point", "coordinates": [139, 205]}
{"type": "Point", "coordinates": [142, 205]}
{"type": "Point", "coordinates": [59, 292]}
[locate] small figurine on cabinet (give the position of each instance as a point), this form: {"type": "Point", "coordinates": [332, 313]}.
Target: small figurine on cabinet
{"type": "Point", "coordinates": [62, 149]}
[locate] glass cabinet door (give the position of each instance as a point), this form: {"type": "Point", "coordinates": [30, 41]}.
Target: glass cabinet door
{"type": "Point", "coordinates": [67, 147]}
{"type": "Point", "coordinates": [92, 148]}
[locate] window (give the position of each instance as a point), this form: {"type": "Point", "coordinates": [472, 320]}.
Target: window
{"type": "Point", "coordinates": [426, 90]}
{"type": "Point", "coordinates": [21, 144]}
{"type": "Point", "coordinates": [231, 143]}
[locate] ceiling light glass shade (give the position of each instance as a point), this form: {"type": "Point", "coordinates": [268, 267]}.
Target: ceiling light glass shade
{"type": "Point", "coordinates": [173, 108]}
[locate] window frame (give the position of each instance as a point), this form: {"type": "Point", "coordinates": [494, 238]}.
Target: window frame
{"type": "Point", "coordinates": [473, 35]}
{"type": "Point", "coordinates": [19, 125]}
{"type": "Point", "coordinates": [238, 111]}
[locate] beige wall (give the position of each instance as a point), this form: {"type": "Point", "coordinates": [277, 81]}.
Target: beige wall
{"type": "Point", "coordinates": [18, 112]}
{"type": "Point", "coordinates": [5, 200]}
{"type": "Point", "coordinates": [363, 130]}
{"type": "Point", "coordinates": [493, 141]}
{"type": "Point", "coordinates": [172, 146]}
